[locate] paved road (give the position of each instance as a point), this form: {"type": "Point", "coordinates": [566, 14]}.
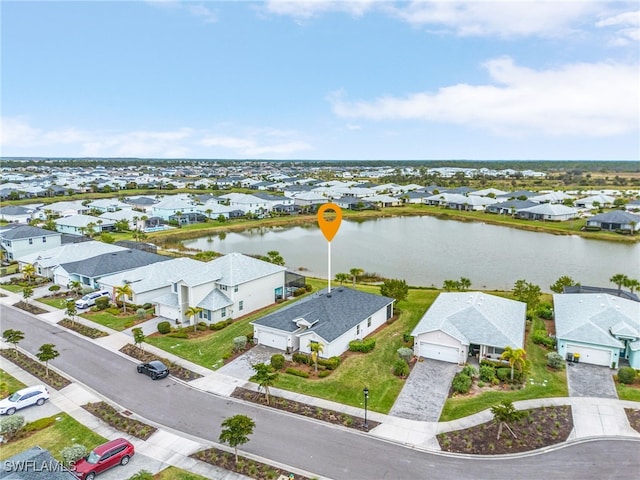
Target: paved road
{"type": "Point", "coordinates": [328, 451]}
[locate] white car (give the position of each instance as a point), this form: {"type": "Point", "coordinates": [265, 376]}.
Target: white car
{"type": "Point", "coordinates": [89, 300]}
{"type": "Point", "coordinates": [23, 398]}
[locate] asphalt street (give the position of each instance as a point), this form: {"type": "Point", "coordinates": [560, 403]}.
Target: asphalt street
{"type": "Point", "coordinates": [328, 451]}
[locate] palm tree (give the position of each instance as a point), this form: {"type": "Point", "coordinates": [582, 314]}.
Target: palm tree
{"type": "Point", "coordinates": [75, 286]}
{"type": "Point", "coordinates": [192, 312]}
{"type": "Point", "coordinates": [465, 283]}
{"type": "Point", "coordinates": [632, 284]}
{"type": "Point", "coordinates": [505, 413]}
{"type": "Point", "coordinates": [316, 349]}
{"type": "Point", "coordinates": [265, 377]}
{"type": "Point", "coordinates": [355, 273]}
{"type": "Point", "coordinates": [208, 211]}
{"type": "Point", "coordinates": [342, 277]}
{"type": "Point", "coordinates": [123, 292]}
{"type": "Point", "coordinates": [515, 357]}
{"type": "Point", "coordinates": [28, 271]}
{"type": "Point", "coordinates": [619, 279]}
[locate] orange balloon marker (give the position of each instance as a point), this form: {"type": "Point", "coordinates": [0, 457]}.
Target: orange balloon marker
{"type": "Point", "coordinates": [329, 229]}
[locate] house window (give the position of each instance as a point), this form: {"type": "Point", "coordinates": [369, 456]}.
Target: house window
{"type": "Point", "coordinates": [235, 288]}
{"type": "Point", "coordinates": [358, 329]}
{"type": "Point", "coordinates": [175, 287]}
{"type": "Point", "coordinates": [31, 241]}
{"type": "Point", "coordinates": [369, 322]}
{"type": "Point", "coordinates": [44, 239]}
{"type": "Point", "coordinates": [223, 312]}
{"type": "Point", "coordinates": [222, 287]}
{"type": "Point", "coordinates": [241, 305]}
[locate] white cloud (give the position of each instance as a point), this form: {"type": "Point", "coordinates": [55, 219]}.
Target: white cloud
{"type": "Point", "coordinates": [625, 26]}
{"type": "Point", "coordinates": [249, 146]}
{"type": "Point", "coordinates": [599, 99]}
{"type": "Point", "coordinates": [311, 8]}
{"type": "Point", "coordinates": [193, 8]}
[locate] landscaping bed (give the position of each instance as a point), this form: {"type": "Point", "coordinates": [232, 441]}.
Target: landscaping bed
{"type": "Point", "coordinates": [35, 368]}
{"type": "Point", "coordinates": [541, 428]}
{"type": "Point", "coordinates": [245, 466]}
{"type": "Point", "coordinates": [633, 414]}
{"type": "Point", "coordinates": [29, 307]}
{"type": "Point", "coordinates": [291, 406]}
{"type": "Point", "coordinates": [82, 329]}
{"type": "Point", "coordinates": [175, 370]}
{"type": "Point", "coordinates": [110, 415]}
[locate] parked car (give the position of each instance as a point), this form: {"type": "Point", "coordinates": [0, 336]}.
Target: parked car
{"type": "Point", "coordinates": [89, 300]}
{"type": "Point", "coordinates": [108, 455]}
{"type": "Point", "coordinates": [23, 398]}
{"type": "Point", "coordinates": [155, 369]}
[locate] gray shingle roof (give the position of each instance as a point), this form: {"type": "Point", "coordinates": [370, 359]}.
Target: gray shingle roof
{"type": "Point", "coordinates": [331, 314]}
{"type": "Point", "coordinates": [113, 262]}
{"type": "Point", "coordinates": [475, 317]}
{"type": "Point", "coordinates": [26, 231]}
{"type": "Point", "coordinates": [37, 464]}
{"type": "Point", "coordinates": [616, 216]}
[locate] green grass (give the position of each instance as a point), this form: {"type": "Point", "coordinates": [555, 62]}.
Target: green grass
{"type": "Point", "coordinates": [627, 392]}
{"type": "Point", "coordinates": [65, 431]}
{"type": "Point", "coordinates": [174, 473]}
{"type": "Point", "coordinates": [9, 384]}
{"type": "Point", "coordinates": [109, 320]}
{"type": "Point", "coordinates": [55, 302]}
{"type": "Point", "coordinates": [13, 288]}
{"type": "Point", "coordinates": [556, 386]}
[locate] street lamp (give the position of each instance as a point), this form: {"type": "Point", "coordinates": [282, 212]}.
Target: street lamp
{"type": "Point", "coordinates": [366, 398]}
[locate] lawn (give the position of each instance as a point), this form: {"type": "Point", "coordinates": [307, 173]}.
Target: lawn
{"type": "Point", "coordinates": [628, 392]}
{"type": "Point", "coordinates": [115, 322]}
{"type": "Point", "coordinates": [535, 386]}
{"type": "Point", "coordinates": [174, 473]}
{"type": "Point", "coordinates": [12, 288]}
{"type": "Point", "coordinates": [56, 302]}
{"type": "Point", "coordinates": [8, 384]}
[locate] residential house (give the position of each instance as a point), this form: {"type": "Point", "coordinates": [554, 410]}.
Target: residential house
{"type": "Point", "coordinates": [142, 204]}
{"type": "Point", "coordinates": [548, 211]}
{"type": "Point", "coordinates": [602, 329]}
{"type": "Point", "coordinates": [84, 224]}
{"type": "Point", "coordinates": [333, 319]}
{"type": "Point", "coordinates": [551, 197]}
{"type": "Point", "coordinates": [20, 240]}
{"type": "Point", "coordinates": [595, 201]}
{"type": "Point", "coordinates": [615, 220]}
{"type": "Point", "coordinates": [510, 207]}
{"type": "Point", "coordinates": [35, 463]}
{"type": "Point", "coordinates": [247, 203]}
{"type": "Point", "coordinates": [465, 324]}
{"type": "Point", "coordinates": [109, 205]}
{"type": "Point", "coordinates": [170, 207]}
{"type": "Point", "coordinates": [16, 214]}
{"type": "Point", "coordinates": [64, 209]}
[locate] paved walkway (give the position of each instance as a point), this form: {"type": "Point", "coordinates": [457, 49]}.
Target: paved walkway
{"type": "Point", "coordinates": [593, 417]}
{"type": "Point", "coordinates": [585, 380]}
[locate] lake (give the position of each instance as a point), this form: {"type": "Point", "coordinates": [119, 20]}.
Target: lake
{"type": "Point", "coordinates": [425, 251]}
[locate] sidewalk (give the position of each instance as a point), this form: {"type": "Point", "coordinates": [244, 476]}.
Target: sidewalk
{"type": "Point", "coordinates": [592, 417]}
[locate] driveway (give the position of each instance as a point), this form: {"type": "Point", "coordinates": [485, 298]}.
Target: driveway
{"type": "Point", "coordinates": [587, 380]}
{"type": "Point", "coordinates": [242, 366]}
{"type": "Point", "coordinates": [425, 391]}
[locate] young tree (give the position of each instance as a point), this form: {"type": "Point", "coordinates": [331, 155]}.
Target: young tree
{"type": "Point", "coordinates": [192, 312]}
{"type": "Point", "coordinates": [564, 281]}
{"type": "Point", "coordinates": [54, 289]}
{"type": "Point", "coordinates": [28, 272]}
{"type": "Point", "coordinates": [124, 291]}
{"type": "Point", "coordinates": [265, 377]}
{"type": "Point", "coordinates": [515, 357]}
{"type": "Point", "coordinates": [316, 349]}
{"type": "Point", "coordinates": [342, 277]}
{"type": "Point", "coordinates": [138, 337]}
{"type": "Point", "coordinates": [632, 284]}
{"type": "Point", "coordinates": [355, 273]}
{"type": "Point", "coordinates": [27, 293]}
{"type": "Point", "coordinates": [450, 285]}
{"type": "Point", "coordinates": [505, 413]}
{"type": "Point", "coordinates": [14, 337]}
{"type": "Point", "coordinates": [71, 310]}
{"type": "Point", "coordinates": [395, 288]}
{"type": "Point", "coordinates": [619, 279]}
{"type": "Point", "coordinates": [236, 431]}
{"type": "Point", "coordinates": [47, 353]}
{"type": "Point", "coordinates": [528, 293]}
{"type": "Point", "coordinates": [274, 257]}
{"type": "Point", "coordinates": [465, 284]}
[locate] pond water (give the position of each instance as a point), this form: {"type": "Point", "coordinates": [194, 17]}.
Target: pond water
{"type": "Point", "coordinates": [425, 251]}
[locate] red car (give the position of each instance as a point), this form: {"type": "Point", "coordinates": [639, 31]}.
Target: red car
{"type": "Point", "coordinates": [103, 457]}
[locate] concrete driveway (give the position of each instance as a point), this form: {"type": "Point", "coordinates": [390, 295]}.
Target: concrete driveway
{"type": "Point", "coordinates": [425, 391]}
{"type": "Point", "coordinates": [587, 380]}
{"type": "Point", "coordinates": [242, 367]}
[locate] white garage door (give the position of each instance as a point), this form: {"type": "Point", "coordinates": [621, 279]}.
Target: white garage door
{"type": "Point", "coordinates": [595, 356]}
{"type": "Point", "coordinates": [271, 339]}
{"type": "Point", "coordinates": [439, 352]}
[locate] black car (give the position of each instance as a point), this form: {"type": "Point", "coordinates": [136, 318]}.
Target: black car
{"type": "Point", "coordinates": [155, 369]}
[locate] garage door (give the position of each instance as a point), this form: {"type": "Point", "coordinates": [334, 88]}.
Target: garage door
{"type": "Point", "coordinates": [271, 339]}
{"type": "Point", "coordinates": [595, 356]}
{"type": "Point", "coordinates": [439, 352]}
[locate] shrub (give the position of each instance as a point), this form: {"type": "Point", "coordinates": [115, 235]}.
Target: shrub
{"type": "Point", "coordinates": [545, 311]}
{"type": "Point", "coordinates": [178, 335]}
{"type": "Point", "coordinates": [405, 353]}
{"type": "Point", "coordinates": [102, 303]}
{"type": "Point", "coordinates": [626, 375]}
{"type": "Point", "coordinates": [297, 373]}
{"type": "Point", "coordinates": [11, 425]}
{"type": "Point", "coordinates": [324, 373]}
{"type": "Point", "coordinates": [555, 360]}
{"type": "Point", "coordinates": [541, 337]}
{"type": "Point", "coordinates": [73, 453]}
{"type": "Point", "coordinates": [147, 306]}
{"type": "Point", "coordinates": [406, 337]}
{"type": "Point", "coordinates": [299, 291]}
{"type": "Point", "coordinates": [202, 326]}
{"type": "Point", "coordinates": [461, 383]}
{"type": "Point", "coordinates": [503, 374]}
{"type": "Point", "coordinates": [364, 346]}
{"type": "Point", "coordinates": [487, 373]}
{"type": "Point", "coordinates": [164, 327]}
{"type": "Point", "coordinates": [308, 287]}
{"type": "Point", "coordinates": [141, 475]}
{"type": "Point", "coordinates": [301, 358]}
{"type": "Point", "coordinates": [330, 363]}
{"type": "Point", "coordinates": [277, 361]}
{"type": "Point", "coordinates": [239, 343]}
{"type": "Point", "coordinates": [469, 371]}
{"type": "Point", "coordinates": [400, 368]}
{"type": "Point", "coordinates": [141, 313]}
{"type": "Point", "coordinates": [39, 424]}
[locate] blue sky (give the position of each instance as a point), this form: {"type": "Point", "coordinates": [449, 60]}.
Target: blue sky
{"type": "Point", "coordinates": [363, 80]}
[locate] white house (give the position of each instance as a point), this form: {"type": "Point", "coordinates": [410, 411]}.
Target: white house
{"type": "Point", "coordinates": [81, 224]}
{"type": "Point", "coordinates": [17, 241]}
{"type": "Point", "coordinates": [459, 325]}
{"type": "Point", "coordinates": [332, 319]}
{"type": "Point", "coordinates": [549, 212]}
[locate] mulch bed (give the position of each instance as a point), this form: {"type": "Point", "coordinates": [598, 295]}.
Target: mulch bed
{"type": "Point", "coordinates": [291, 406]}
{"type": "Point", "coordinates": [245, 466]}
{"type": "Point", "coordinates": [28, 307]}
{"type": "Point", "coordinates": [634, 418]}
{"type": "Point", "coordinates": [35, 368]}
{"type": "Point", "coordinates": [541, 428]}
{"type": "Point", "coordinates": [82, 329]}
{"type": "Point", "coordinates": [175, 370]}
{"type": "Point", "coordinates": [119, 421]}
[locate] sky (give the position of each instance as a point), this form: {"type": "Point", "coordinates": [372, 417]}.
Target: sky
{"type": "Point", "coordinates": [316, 80]}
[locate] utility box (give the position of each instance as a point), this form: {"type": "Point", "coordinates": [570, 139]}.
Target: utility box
{"type": "Point", "coordinates": [576, 357]}
{"type": "Point", "coordinates": [569, 357]}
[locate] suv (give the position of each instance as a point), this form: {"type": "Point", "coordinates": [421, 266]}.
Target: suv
{"type": "Point", "coordinates": [23, 398]}
{"type": "Point", "coordinates": [104, 457]}
{"type": "Point", "coordinates": [89, 300]}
